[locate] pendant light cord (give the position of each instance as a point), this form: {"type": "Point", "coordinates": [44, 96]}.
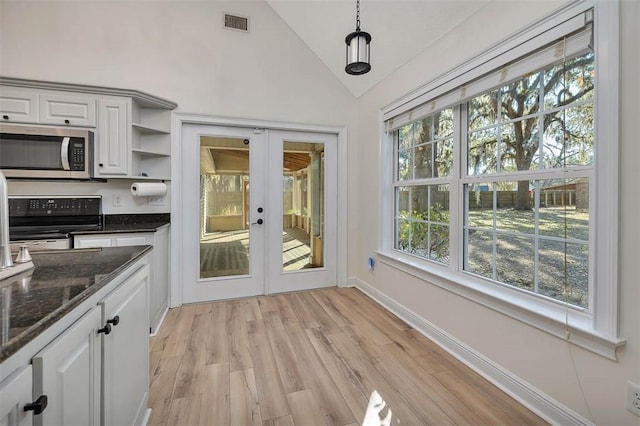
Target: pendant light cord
{"type": "Point", "coordinates": [357, 15]}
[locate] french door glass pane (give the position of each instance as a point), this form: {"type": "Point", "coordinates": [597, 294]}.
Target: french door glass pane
{"type": "Point", "coordinates": [303, 205]}
{"type": "Point", "coordinates": [224, 207]}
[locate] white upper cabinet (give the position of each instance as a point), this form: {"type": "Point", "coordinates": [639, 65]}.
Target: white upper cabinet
{"type": "Point", "coordinates": [133, 129]}
{"type": "Point", "coordinates": [113, 138]}
{"type": "Point", "coordinates": [18, 105]}
{"type": "Point", "coordinates": [64, 109]}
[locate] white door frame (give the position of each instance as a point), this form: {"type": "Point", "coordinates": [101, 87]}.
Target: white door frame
{"type": "Point", "coordinates": [176, 250]}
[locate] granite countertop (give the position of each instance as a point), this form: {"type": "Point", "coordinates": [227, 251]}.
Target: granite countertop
{"type": "Point", "coordinates": [62, 279]}
{"type": "Point", "coordinates": [125, 223]}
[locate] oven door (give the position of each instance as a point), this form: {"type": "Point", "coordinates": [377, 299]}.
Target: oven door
{"type": "Point", "coordinates": [32, 152]}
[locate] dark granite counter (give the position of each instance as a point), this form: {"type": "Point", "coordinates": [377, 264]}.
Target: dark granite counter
{"type": "Point", "coordinates": [34, 300]}
{"type": "Point", "coordinates": [126, 223]}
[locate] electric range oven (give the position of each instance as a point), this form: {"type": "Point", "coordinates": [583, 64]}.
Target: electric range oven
{"type": "Point", "coordinates": [46, 223]}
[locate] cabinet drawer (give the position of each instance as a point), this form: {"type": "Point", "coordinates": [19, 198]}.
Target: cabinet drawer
{"type": "Point", "coordinates": [18, 105]}
{"type": "Point", "coordinates": [67, 110]}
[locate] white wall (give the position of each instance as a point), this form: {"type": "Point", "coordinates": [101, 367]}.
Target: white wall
{"type": "Point", "coordinates": [177, 50]}
{"type": "Point", "coordinates": [540, 359]}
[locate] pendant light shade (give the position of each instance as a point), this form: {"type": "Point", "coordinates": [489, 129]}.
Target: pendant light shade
{"type": "Point", "coordinates": [358, 49]}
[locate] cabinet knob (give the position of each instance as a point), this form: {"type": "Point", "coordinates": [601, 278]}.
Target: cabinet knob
{"type": "Point", "coordinates": [100, 165]}
{"type": "Point", "coordinates": [38, 405]}
{"type": "Point", "coordinates": [5, 117]}
{"type": "Point", "coordinates": [106, 329]}
{"type": "Point", "coordinates": [66, 121]}
{"type": "Point", "coordinates": [114, 321]}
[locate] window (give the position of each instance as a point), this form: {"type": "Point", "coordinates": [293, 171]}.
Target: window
{"type": "Point", "coordinates": [424, 168]}
{"type": "Point", "coordinates": [494, 181]}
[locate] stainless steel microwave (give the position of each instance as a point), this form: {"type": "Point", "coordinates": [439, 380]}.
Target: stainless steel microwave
{"type": "Point", "coordinates": [46, 152]}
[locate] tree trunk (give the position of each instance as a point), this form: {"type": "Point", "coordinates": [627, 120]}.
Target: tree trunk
{"type": "Point", "coordinates": [523, 199]}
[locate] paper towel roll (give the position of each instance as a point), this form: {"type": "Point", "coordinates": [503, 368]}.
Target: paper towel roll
{"type": "Point", "coordinates": [148, 189]}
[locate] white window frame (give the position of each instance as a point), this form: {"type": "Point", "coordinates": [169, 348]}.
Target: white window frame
{"type": "Point", "coordinates": [596, 330]}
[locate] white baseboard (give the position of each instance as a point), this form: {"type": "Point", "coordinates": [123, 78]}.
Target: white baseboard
{"type": "Point", "coordinates": [535, 400]}
{"type": "Point", "coordinates": [159, 324]}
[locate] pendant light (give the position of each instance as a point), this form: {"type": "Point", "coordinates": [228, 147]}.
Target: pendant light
{"type": "Point", "coordinates": [358, 49]}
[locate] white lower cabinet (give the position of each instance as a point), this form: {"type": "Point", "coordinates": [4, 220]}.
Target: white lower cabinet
{"type": "Point", "coordinates": [15, 395]}
{"type": "Point", "coordinates": [125, 352]}
{"type": "Point", "coordinates": [68, 371]}
{"type": "Point", "coordinates": [158, 264]}
{"type": "Point", "coordinates": [93, 371]}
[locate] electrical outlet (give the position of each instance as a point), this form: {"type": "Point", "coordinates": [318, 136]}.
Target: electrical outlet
{"type": "Point", "coordinates": [117, 200]}
{"type": "Point", "coordinates": [156, 201]}
{"type": "Point", "coordinates": [633, 398]}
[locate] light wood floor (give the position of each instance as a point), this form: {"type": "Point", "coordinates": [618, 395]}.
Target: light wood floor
{"type": "Point", "coordinates": [311, 358]}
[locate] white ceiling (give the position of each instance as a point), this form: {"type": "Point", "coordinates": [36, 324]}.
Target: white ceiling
{"type": "Point", "coordinates": [400, 29]}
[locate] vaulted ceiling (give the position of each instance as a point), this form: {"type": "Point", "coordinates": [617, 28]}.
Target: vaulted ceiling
{"type": "Point", "coordinates": [400, 29]}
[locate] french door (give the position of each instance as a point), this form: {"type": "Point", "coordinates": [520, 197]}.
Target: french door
{"type": "Point", "coordinates": [259, 209]}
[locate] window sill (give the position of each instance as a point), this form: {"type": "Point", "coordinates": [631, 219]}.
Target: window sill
{"type": "Point", "coordinates": [541, 314]}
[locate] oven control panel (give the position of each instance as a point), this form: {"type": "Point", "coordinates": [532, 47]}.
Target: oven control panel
{"type": "Point", "coordinates": [67, 206]}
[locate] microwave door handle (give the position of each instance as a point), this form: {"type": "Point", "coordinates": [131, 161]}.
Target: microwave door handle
{"type": "Point", "coordinates": [64, 153]}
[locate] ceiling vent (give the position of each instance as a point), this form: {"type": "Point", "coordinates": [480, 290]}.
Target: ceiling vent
{"type": "Point", "coordinates": [234, 22]}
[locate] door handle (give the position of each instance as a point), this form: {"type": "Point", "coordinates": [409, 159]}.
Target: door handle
{"type": "Point", "coordinates": [38, 405]}
{"type": "Point", "coordinates": [258, 222]}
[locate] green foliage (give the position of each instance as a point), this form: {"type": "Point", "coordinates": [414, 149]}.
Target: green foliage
{"type": "Point", "coordinates": [425, 233]}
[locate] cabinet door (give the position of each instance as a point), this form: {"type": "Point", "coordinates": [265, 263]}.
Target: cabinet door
{"type": "Point", "coordinates": [69, 110]}
{"type": "Point", "coordinates": [159, 285]}
{"type": "Point", "coordinates": [15, 392]}
{"type": "Point", "coordinates": [18, 105]}
{"type": "Point", "coordinates": [113, 141]}
{"type": "Point", "coordinates": [68, 372]}
{"type": "Point", "coordinates": [126, 351]}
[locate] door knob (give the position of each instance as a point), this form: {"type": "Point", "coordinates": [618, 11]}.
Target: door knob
{"type": "Point", "coordinates": [258, 222]}
{"type": "Point", "coordinates": [38, 405]}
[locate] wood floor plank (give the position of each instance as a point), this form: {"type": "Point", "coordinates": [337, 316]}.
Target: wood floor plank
{"type": "Point", "coordinates": [161, 389]}
{"type": "Point", "coordinates": [302, 311]}
{"type": "Point", "coordinates": [321, 316]}
{"type": "Point", "coordinates": [280, 421]}
{"type": "Point", "coordinates": [203, 308]}
{"type": "Point", "coordinates": [185, 411]}
{"type": "Point", "coordinates": [244, 405]}
{"type": "Point", "coordinates": [342, 376]}
{"type": "Point", "coordinates": [322, 297]}
{"type": "Point", "coordinates": [369, 305]}
{"type": "Point", "coordinates": [215, 406]}
{"type": "Point", "coordinates": [420, 378]}
{"type": "Point", "coordinates": [273, 399]}
{"type": "Point", "coordinates": [239, 355]}
{"type": "Point", "coordinates": [267, 303]}
{"type": "Point", "coordinates": [179, 334]}
{"type": "Point", "coordinates": [369, 378]}
{"type": "Point", "coordinates": [285, 357]}
{"type": "Point", "coordinates": [330, 401]}
{"type": "Point", "coordinates": [159, 341]}
{"type": "Point", "coordinates": [217, 337]}
{"type": "Point", "coordinates": [304, 408]}
{"type": "Point", "coordinates": [191, 374]}
{"type": "Point", "coordinates": [285, 310]}
{"type": "Point", "coordinates": [252, 309]}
